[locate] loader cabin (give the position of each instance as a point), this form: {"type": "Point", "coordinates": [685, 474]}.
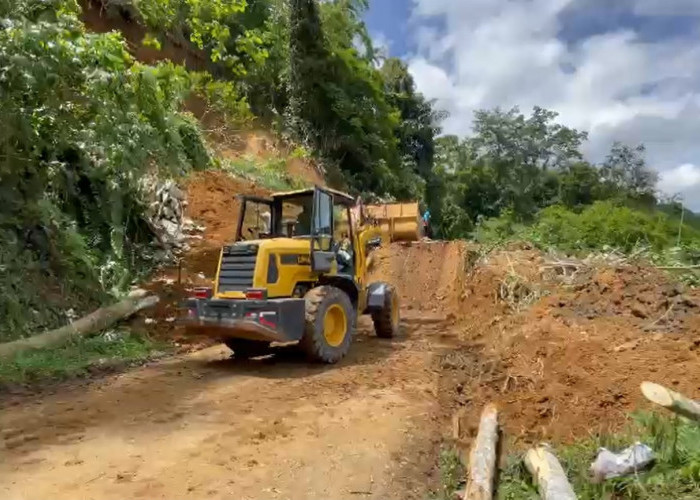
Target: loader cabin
{"type": "Point", "coordinates": [285, 243]}
{"type": "Point", "coordinates": [290, 214]}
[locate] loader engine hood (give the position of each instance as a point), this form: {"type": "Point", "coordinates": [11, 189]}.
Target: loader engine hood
{"type": "Point", "coordinates": [275, 264]}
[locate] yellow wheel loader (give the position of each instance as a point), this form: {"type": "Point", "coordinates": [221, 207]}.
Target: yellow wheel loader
{"type": "Point", "coordinates": [296, 272]}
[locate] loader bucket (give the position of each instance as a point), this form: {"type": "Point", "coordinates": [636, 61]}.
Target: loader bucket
{"type": "Point", "coordinates": [401, 221]}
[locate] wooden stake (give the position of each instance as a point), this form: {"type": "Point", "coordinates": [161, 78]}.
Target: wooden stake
{"type": "Point", "coordinates": [671, 400]}
{"type": "Point", "coordinates": [93, 322]}
{"type": "Point", "coordinates": [548, 474]}
{"type": "Point", "coordinates": [482, 459]}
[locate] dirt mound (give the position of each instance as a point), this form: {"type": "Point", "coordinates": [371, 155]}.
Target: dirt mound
{"type": "Point", "coordinates": [212, 203]}
{"type": "Point", "coordinates": [428, 274]}
{"type": "Point", "coordinates": [569, 358]}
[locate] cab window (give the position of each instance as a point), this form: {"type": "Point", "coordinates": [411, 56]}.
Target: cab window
{"type": "Point", "coordinates": [256, 221]}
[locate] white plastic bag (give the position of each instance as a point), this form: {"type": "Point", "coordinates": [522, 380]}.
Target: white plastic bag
{"type": "Point", "coordinates": [608, 464]}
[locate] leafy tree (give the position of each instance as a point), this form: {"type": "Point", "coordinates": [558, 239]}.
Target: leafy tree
{"type": "Point", "coordinates": [82, 124]}
{"type": "Point", "coordinates": [580, 185]}
{"type": "Point", "coordinates": [519, 150]}
{"type": "Point", "coordinates": [337, 100]}
{"type": "Point", "coordinates": [626, 174]}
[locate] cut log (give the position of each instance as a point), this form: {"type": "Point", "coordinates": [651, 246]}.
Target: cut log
{"type": "Point", "coordinates": [93, 322]}
{"type": "Point", "coordinates": [671, 400]}
{"type": "Point", "coordinates": [482, 459]}
{"type": "Point", "coordinates": [548, 474]}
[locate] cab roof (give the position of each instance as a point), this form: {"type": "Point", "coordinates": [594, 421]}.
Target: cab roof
{"type": "Point", "coordinates": [338, 196]}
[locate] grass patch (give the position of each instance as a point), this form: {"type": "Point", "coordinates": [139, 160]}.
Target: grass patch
{"type": "Point", "coordinates": [451, 474]}
{"type": "Point", "coordinates": [270, 173]}
{"type": "Point", "coordinates": [675, 475]}
{"type": "Point", "coordinates": [77, 357]}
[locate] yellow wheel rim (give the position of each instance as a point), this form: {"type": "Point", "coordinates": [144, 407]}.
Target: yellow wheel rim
{"type": "Point", "coordinates": [394, 309]}
{"type": "Point", "coordinates": [335, 325]}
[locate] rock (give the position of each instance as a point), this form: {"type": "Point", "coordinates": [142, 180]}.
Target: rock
{"type": "Point", "coordinates": [112, 335]}
{"type": "Point", "coordinates": [688, 302]}
{"type": "Point", "coordinates": [169, 214]}
{"type": "Point", "coordinates": [170, 228]}
{"type": "Point", "coordinates": [638, 312]}
{"type": "Point", "coordinates": [176, 192]}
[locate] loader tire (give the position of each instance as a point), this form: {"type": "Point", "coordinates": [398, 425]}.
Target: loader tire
{"type": "Point", "coordinates": [246, 349]}
{"type": "Point", "coordinates": [329, 326]}
{"type": "Point", "coordinates": [387, 319]}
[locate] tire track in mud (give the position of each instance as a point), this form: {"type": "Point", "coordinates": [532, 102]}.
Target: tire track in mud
{"type": "Point", "coordinates": [206, 426]}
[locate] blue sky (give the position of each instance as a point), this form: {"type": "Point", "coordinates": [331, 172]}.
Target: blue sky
{"type": "Point", "coordinates": [625, 70]}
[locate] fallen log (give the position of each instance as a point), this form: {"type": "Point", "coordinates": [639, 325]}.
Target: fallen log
{"type": "Point", "coordinates": [98, 320]}
{"type": "Point", "coordinates": [671, 400]}
{"type": "Point", "coordinates": [548, 474]}
{"type": "Point", "coordinates": [482, 459]}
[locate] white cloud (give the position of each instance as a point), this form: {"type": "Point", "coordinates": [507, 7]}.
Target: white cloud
{"type": "Point", "coordinates": [616, 85]}
{"type": "Point", "coordinates": [684, 180]}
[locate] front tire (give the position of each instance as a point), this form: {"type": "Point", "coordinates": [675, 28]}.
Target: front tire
{"type": "Point", "coordinates": [330, 324]}
{"type": "Point", "coordinates": [388, 318]}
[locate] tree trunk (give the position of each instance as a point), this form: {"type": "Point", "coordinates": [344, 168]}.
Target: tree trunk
{"type": "Point", "coordinates": [482, 459]}
{"type": "Point", "coordinates": [93, 322]}
{"type": "Point", "coordinates": [548, 474]}
{"type": "Point", "coordinates": [671, 400]}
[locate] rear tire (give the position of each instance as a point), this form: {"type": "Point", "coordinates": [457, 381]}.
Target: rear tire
{"type": "Point", "coordinates": [246, 349]}
{"type": "Point", "coordinates": [330, 324]}
{"type": "Point", "coordinates": [388, 318]}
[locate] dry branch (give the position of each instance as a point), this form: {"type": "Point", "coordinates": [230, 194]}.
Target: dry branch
{"type": "Point", "coordinates": [93, 322]}
{"type": "Point", "coordinates": [671, 400]}
{"type": "Point", "coordinates": [548, 474]}
{"type": "Point", "coordinates": [482, 459]}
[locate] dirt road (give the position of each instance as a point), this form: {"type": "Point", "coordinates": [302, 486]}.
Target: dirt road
{"type": "Point", "coordinates": [206, 426]}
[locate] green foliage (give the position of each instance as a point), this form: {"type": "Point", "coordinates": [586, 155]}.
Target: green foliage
{"type": "Point", "coordinates": [215, 26]}
{"type": "Point", "coordinates": [528, 163]}
{"type": "Point", "coordinates": [625, 171]}
{"type": "Point", "coordinates": [674, 476]}
{"type": "Point", "coordinates": [75, 358]}
{"type": "Point", "coordinates": [451, 474]}
{"type": "Point", "coordinates": [370, 124]}
{"type": "Point", "coordinates": [602, 224]}
{"type": "Point", "coordinates": [271, 173]}
{"type": "Point", "coordinates": [82, 124]}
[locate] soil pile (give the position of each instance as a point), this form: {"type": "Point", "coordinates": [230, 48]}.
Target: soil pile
{"type": "Point", "coordinates": [429, 275]}
{"type": "Point", "coordinates": [563, 350]}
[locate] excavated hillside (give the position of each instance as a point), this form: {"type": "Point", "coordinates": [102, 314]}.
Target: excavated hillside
{"type": "Point", "coordinates": [560, 346]}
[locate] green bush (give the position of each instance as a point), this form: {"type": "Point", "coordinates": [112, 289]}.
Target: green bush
{"type": "Point", "coordinates": [600, 225]}
{"type": "Point", "coordinates": [82, 125]}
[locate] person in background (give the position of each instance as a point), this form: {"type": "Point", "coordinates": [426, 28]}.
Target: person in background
{"type": "Point", "coordinates": [266, 222]}
{"type": "Point", "coordinates": [427, 230]}
{"type": "Point", "coordinates": [345, 258]}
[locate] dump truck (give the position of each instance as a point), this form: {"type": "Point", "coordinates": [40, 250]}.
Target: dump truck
{"type": "Point", "coordinates": [297, 273]}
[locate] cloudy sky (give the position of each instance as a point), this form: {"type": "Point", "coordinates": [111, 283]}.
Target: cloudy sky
{"type": "Point", "coordinates": [626, 70]}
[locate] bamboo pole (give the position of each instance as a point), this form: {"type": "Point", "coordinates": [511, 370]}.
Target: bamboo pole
{"type": "Point", "coordinates": [671, 400]}
{"type": "Point", "coordinates": [548, 474]}
{"type": "Point", "coordinates": [482, 459]}
{"type": "Point", "coordinates": [93, 322]}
